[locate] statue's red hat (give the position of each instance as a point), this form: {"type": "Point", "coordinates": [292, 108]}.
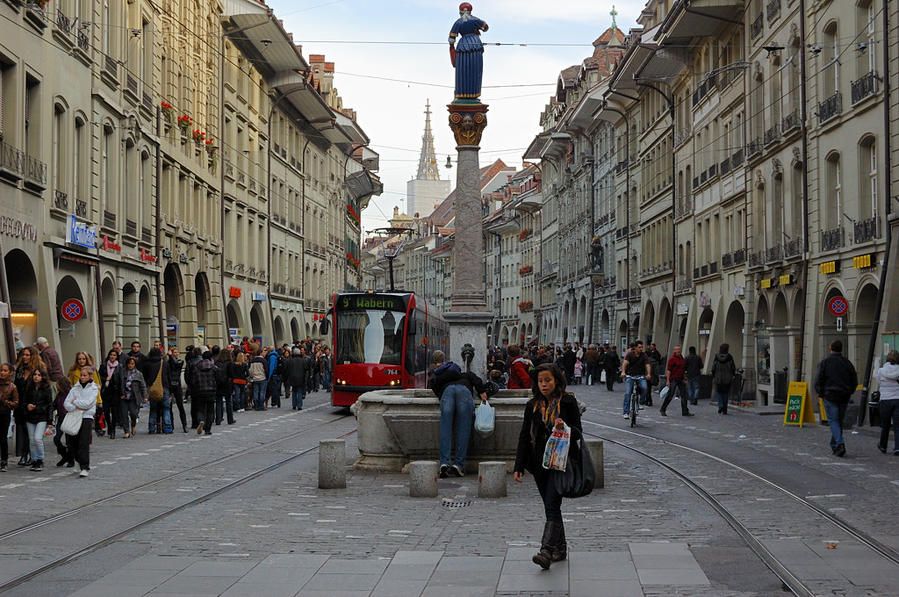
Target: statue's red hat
{"type": "Point", "coordinates": [465, 6]}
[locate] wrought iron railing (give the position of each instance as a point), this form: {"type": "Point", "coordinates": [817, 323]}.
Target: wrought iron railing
{"type": "Point", "coordinates": [111, 66]}
{"type": "Point", "coordinates": [109, 219]}
{"type": "Point", "coordinates": [737, 158]}
{"type": "Point", "coordinates": [790, 122]}
{"type": "Point", "coordinates": [61, 200]}
{"type": "Point", "coordinates": [146, 234]}
{"type": "Point", "coordinates": [727, 260]}
{"type": "Point", "coordinates": [739, 256]}
{"type": "Point", "coordinates": [80, 208]}
{"type": "Point", "coordinates": [757, 259]}
{"type": "Point", "coordinates": [774, 254]}
{"type": "Point", "coordinates": [829, 108]}
{"type": "Point", "coordinates": [772, 135]}
{"type": "Point", "coordinates": [35, 171]}
{"type": "Point", "coordinates": [12, 160]}
{"type": "Point", "coordinates": [832, 239]}
{"type": "Point", "coordinates": [866, 230]}
{"type": "Point", "coordinates": [725, 166]}
{"type": "Point", "coordinates": [864, 87]}
{"type": "Point", "coordinates": [793, 248]}
{"type": "Point", "coordinates": [131, 228]}
{"type": "Point", "coordinates": [754, 147]}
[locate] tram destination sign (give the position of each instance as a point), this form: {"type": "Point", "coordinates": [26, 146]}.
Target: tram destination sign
{"type": "Point", "coordinates": [360, 302]}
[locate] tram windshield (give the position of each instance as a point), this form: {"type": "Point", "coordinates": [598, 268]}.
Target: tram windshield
{"type": "Point", "coordinates": [366, 335]}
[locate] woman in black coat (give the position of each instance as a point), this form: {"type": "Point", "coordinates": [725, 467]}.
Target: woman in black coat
{"type": "Point", "coordinates": [110, 372]}
{"type": "Point", "coordinates": [550, 408]}
{"type": "Point", "coordinates": [38, 400]}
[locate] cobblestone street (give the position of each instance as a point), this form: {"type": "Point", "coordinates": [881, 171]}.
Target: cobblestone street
{"type": "Point", "coordinates": [646, 533]}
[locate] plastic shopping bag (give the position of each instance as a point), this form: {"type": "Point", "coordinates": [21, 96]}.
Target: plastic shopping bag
{"type": "Point", "coordinates": [484, 419]}
{"type": "Point", "coordinates": [664, 393]}
{"type": "Point", "coordinates": [555, 456]}
{"type": "Point", "coordinates": [602, 376]}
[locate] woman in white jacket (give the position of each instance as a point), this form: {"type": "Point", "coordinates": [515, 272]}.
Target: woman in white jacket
{"type": "Point", "coordinates": [888, 380]}
{"type": "Point", "coordinates": [83, 398]}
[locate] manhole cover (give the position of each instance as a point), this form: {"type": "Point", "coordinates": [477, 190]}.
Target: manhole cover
{"type": "Point", "coordinates": [456, 503]}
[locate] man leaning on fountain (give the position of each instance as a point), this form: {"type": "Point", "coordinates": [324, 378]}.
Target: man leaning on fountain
{"type": "Point", "coordinates": [454, 389]}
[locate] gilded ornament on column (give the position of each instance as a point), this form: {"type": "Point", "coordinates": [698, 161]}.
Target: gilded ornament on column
{"type": "Point", "coordinates": [468, 122]}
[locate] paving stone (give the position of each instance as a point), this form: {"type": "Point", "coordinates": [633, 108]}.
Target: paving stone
{"type": "Point", "coordinates": [399, 588]}
{"type": "Point", "coordinates": [674, 577]}
{"type": "Point", "coordinates": [607, 588]}
{"type": "Point", "coordinates": [341, 582]}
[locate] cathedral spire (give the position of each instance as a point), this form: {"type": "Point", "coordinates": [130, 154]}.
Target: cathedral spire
{"type": "Point", "coordinates": [427, 161]}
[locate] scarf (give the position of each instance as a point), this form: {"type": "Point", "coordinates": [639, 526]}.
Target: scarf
{"type": "Point", "coordinates": [128, 383]}
{"type": "Point", "coordinates": [110, 370]}
{"type": "Point", "coordinates": [548, 410]}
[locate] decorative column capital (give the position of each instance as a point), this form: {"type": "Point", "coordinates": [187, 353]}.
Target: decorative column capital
{"type": "Point", "coordinates": [468, 122]}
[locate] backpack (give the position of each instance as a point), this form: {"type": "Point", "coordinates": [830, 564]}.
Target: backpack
{"type": "Point", "coordinates": [155, 392]}
{"type": "Point", "coordinates": [724, 372]}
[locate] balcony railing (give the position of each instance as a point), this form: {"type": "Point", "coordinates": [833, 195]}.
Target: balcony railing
{"type": "Point", "coordinates": [772, 10]}
{"type": "Point", "coordinates": [109, 219]}
{"type": "Point", "coordinates": [131, 84]}
{"type": "Point", "coordinates": [713, 268]}
{"type": "Point", "coordinates": [725, 166]}
{"type": "Point", "coordinates": [832, 239]}
{"type": "Point", "coordinates": [755, 28]}
{"type": "Point", "coordinates": [790, 122]}
{"type": "Point", "coordinates": [80, 208]}
{"type": "Point", "coordinates": [774, 254]}
{"type": "Point", "coordinates": [829, 108]}
{"type": "Point", "coordinates": [866, 230]}
{"type": "Point", "coordinates": [35, 172]}
{"type": "Point", "coordinates": [111, 66]}
{"type": "Point", "coordinates": [737, 158]}
{"type": "Point", "coordinates": [684, 285]}
{"type": "Point", "coordinates": [706, 87]}
{"type": "Point", "coordinates": [793, 248]}
{"type": "Point", "coordinates": [61, 200]}
{"type": "Point", "coordinates": [131, 228]}
{"type": "Point", "coordinates": [772, 135]}
{"type": "Point", "coordinates": [146, 234]}
{"type": "Point", "coordinates": [757, 259]}
{"type": "Point", "coordinates": [864, 87]}
{"type": "Point", "coordinates": [12, 160]}
{"type": "Point", "coordinates": [754, 147]}
{"type": "Point", "coordinates": [63, 22]}
{"type": "Point", "coordinates": [739, 256]}
{"type": "Point", "coordinates": [727, 260]}
{"type": "Point", "coordinates": [82, 40]}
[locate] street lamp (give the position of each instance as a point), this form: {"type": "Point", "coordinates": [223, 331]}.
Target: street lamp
{"type": "Point", "coordinates": [388, 232]}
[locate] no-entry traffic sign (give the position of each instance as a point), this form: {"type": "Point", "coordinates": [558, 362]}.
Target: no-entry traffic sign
{"type": "Point", "coordinates": [72, 310]}
{"type": "Point", "coordinates": [838, 306]}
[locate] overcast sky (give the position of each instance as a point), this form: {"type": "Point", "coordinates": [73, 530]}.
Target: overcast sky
{"type": "Point", "coordinates": [392, 112]}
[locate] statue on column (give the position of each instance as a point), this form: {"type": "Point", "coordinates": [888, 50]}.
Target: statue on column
{"type": "Point", "coordinates": [467, 54]}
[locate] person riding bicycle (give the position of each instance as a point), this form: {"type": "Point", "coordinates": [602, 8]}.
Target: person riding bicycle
{"type": "Point", "coordinates": [635, 369]}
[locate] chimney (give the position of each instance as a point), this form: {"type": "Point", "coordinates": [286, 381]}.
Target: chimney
{"type": "Point", "coordinates": [396, 211]}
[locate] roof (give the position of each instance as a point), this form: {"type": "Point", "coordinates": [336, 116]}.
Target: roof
{"type": "Point", "coordinates": [608, 35]}
{"type": "Point", "coordinates": [444, 212]}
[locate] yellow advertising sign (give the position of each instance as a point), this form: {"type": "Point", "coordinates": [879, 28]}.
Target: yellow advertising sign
{"type": "Point", "coordinates": [766, 283]}
{"type": "Point", "coordinates": [829, 267]}
{"type": "Point", "coordinates": [786, 279]}
{"type": "Point", "coordinates": [799, 408]}
{"type": "Point", "coordinates": [863, 261]}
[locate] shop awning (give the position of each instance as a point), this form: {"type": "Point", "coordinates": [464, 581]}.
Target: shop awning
{"type": "Point", "coordinates": [253, 28]}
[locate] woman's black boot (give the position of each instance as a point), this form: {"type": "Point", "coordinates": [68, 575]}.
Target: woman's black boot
{"type": "Point", "coordinates": [543, 558]}
{"type": "Point", "coordinates": [560, 546]}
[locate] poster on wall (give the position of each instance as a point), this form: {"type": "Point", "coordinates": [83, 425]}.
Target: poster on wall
{"type": "Point", "coordinates": [171, 334]}
{"type": "Point", "coordinates": [201, 336]}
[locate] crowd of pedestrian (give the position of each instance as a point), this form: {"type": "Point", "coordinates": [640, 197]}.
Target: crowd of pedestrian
{"type": "Point", "coordinates": [109, 398]}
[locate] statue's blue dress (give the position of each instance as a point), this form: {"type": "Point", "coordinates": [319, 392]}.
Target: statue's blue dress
{"type": "Point", "coordinates": [469, 57]}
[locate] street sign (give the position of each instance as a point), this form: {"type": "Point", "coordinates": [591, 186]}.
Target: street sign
{"type": "Point", "coordinates": [72, 310]}
{"type": "Point", "coordinates": [839, 324]}
{"type": "Point", "coordinates": [838, 306]}
{"type": "Point", "coordinates": [799, 408]}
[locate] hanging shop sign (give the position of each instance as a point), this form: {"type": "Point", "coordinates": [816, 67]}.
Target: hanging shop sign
{"type": "Point", "coordinates": [704, 299]}
{"type": "Point", "coordinates": [18, 228]}
{"type": "Point", "coordinates": [769, 283]}
{"type": "Point", "coordinates": [838, 306]}
{"type": "Point", "coordinates": [259, 296]}
{"type": "Point", "coordinates": [829, 267]}
{"type": "Point", "coordinates": [109, 245]}
{"type": "Point", "coordinates": [146, 257]}
{"type": "Point", "coordinates": [786, 280]}
{"type": "Point", "coordinates": [81, 234]}
{"type": "Point", "coordinates": [234, 292]}
{"type": "Point", "coordinates": [682, 309]}
{"type": "Point", "coordinates": [167, 253]}
{"type": "Point", "coordinates": [864, 261]}
{"type": "Point", "coordinates": [72, 310]}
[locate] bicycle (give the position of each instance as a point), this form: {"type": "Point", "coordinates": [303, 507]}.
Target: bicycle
{"type": "Point", "coordinates": [635, 397]}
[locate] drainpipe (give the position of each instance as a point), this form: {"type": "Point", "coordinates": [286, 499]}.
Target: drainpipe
{"type": "Point", "coordinates": [592, 165]}
{"type": "Point", "coordinates": [627, 194]}
{"type": "Point", "coordinates": [222, 196]}
{"type": "Point", "coordinates": [803, 123]}
{"type": "Point", "coordinates": [302, 279]}
{"type": "Point", "coordinates": [158, 215]}
{"type": "Point", "coordinates": [888, 189]}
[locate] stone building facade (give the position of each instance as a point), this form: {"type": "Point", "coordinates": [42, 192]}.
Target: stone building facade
{"type": "Point", "coordinates": [140, 183]}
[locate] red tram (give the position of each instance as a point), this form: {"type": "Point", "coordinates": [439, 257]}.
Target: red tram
{"type": "Point", "coordinates": [382, 340]}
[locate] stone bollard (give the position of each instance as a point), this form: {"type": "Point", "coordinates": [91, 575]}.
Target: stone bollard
{"type": "Point", "coordinates": [595, 447]}
{"type": "Point", "coordinates": [492, 479]}
{"type": "Point", "coordinates": [423, 478]}
{"type": "Point", "coordinates": [332, 464]}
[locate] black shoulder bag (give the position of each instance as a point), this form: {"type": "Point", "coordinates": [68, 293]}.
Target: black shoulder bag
{"type": "Point", "coordinates": [579, 476]}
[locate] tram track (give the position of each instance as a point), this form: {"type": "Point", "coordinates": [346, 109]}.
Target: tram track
{"type": "Point", "coordinates": [96, 544]}
{"type": "Point", "coordinates": [790, 580]}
